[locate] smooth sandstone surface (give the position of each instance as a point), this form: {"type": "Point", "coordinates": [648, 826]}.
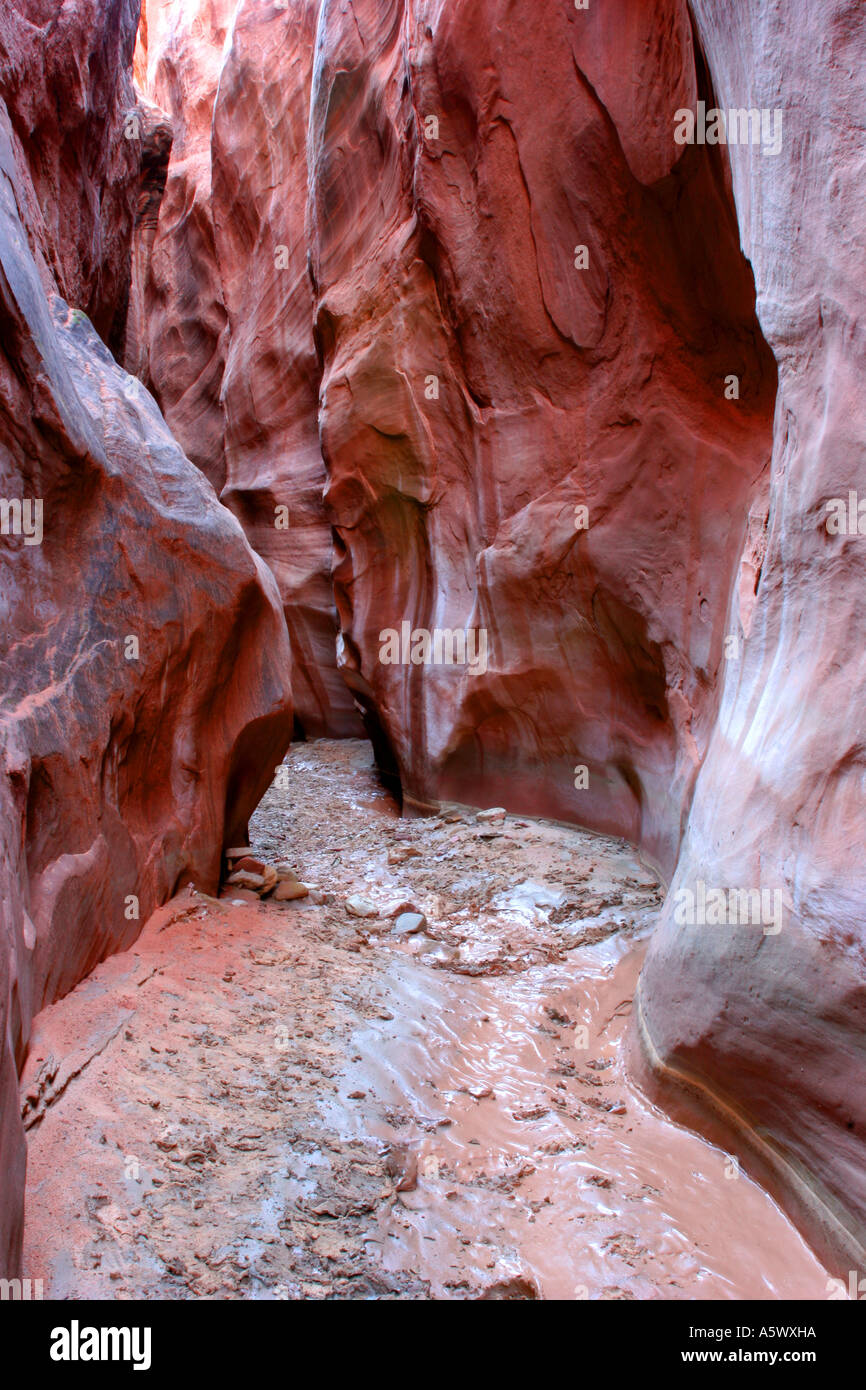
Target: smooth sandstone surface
{"type": "Point", "coordinates": [223, 318]}
{"type": "Point", "coordinates": [446, 253]}
{"type": "Point", "coordinates": [478, 388]}
{"type": "Point", "coordinates": [146, 692]}
{"type": "Point", "coordinates": [767, 1030]}
{"type": "Point", "coordinates": [451, 269]}
{"type": "Point", "coordinates": [178, 329]}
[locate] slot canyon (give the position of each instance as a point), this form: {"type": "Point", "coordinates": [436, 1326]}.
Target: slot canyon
{"type": "Point", "coordinates": [431, 439]}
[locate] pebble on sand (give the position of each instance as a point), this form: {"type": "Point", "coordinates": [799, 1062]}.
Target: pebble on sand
{"type": "Point", "coordinates": [357, 906]}
{"type": "Point", "coordinates": [408, 923]}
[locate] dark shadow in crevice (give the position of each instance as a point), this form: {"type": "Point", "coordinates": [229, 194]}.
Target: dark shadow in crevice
{"type": "Point", "coordinates": [386, 761]}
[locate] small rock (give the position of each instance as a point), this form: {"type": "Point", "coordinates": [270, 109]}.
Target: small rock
{"type": "Point", "coordinates": [357, 906]}
{"type": "Point", "coordinates": [288, 890]}
{"type": "Point", "coordinates": [249, 865]}
{"type": "Point", "coordinates": [402, 1163]}
{"type": "Point", "coordinates": [242, 879]}
{"type": "Point", "coordinates": [557, 1016]}
{"type": "Point", "coordinates": [404, 905]}
{"type": "Point", "coordinates": [408, 923]}
{"type": "Point", "coordinates": [285, 871]}
{"type": "Point", "coordinates": [401, 853]}
{"type": "Point", "coordinates": [357, 1095]}
{"type": "Point", "coordinates": [519, 1286]}
{"type": "Point", "coordinates": [493, 814]}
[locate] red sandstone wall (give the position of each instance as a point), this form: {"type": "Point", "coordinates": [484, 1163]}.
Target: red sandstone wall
{"type": "Point", "coordinates": [145, 695]}
{"type": "Point", "coordinates": [766, 1029]}
{"type": "Point", "coordinates": [223, 316]}
{"type": "Point", "coordinates": [458, 385]}
{"type": "Point", "coordinates": [454, 257]}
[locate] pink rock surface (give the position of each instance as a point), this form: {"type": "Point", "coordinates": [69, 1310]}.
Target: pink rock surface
{"type": "Point", "coordinates": [447, 251]}
{"type": "Point", "coordinates": [271, 382]}
{"type": "Point", "coordinates": [146, 694]}
{"type": "Point", "coordinates": [451, 266]}
{"type": "Point", "coordinates": [763, 1030]}
{"type": "Point", "coordinates": [79, 228]}
{"type": "Point", "coordinates": [178, 330]}
{"type": "Point", "coordinates": [224, 316]}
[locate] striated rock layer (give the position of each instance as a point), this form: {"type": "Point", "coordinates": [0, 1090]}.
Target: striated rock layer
{"type": "Point", "coordinates": [223, 314]}
{"type": "Point", "coordinates": [145, 695]}
{"type": "Point", "coordinates": [479, 385]}
{"type": "Point", "coordinates": [178, 330]}
{"type": "Point", "coordinates": [765, 1029]}
{"type": "Point", "coordinates": [526, 308]}
{"type": "Point", "coordinates": [452, 266]}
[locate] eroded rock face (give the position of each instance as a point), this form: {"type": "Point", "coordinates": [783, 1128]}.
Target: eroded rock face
{"type": "Point", "coordinates": [79, 227]}
{"type": "Point", "coordinates": [526, 346]}
{"type": "Point", "coordinates": [178, 330]}
{"type": "Point", "coordinates": [271, 382]}
{"type": "Point", "coordinates": [224, 318]}
{"type": "Point", "coordinates": [481, 386]}
{"type": "Point", "coordinates": [450, 257]}
{"type": "Point", "coordinates": [765, 1027]}
{"type": "Point", "coordinates": [145, 660]}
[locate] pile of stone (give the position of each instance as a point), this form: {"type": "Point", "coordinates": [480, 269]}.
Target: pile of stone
{"type": "Point", "coordinates": [278, 881]}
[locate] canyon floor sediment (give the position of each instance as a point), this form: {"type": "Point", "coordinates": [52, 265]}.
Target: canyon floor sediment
{"type": "Point", "coordinates": [286, 1100]}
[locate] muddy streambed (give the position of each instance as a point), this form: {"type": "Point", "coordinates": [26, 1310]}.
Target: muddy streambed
{"type": "Point", "coordinates": [291, 1100]}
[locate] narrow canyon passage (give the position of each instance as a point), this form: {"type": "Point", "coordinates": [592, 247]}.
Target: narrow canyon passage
{"type": "Point", "coordinates": [307, 1100]}
{"type": "Point", "coordinates": [432, 680]}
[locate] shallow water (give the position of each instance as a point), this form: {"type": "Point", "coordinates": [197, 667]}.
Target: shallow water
{"type": "Point", "coordinates": [316, 1107]}
{"type": "Point", "coordinates": [601, 1204]}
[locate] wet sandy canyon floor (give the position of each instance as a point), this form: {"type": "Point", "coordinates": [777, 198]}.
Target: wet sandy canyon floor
{"type": "Point", "coordinates": [283, 1100]}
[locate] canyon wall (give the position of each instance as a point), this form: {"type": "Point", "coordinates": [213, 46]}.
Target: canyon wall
{"type": "Point", "coordinates": [146, 692]}
{"type": "Point", "coordinates": [477, 388]}
{"type": "Point", "coordinates": [433, 297]}
{"type": "Point", "coordinates": [223, 314]}
{"type": "Point", "coordinates": [525, 307]}
{"type": "Point", "coordinates": [178, 329]}
{"type": "Point", "coordinates": [482, 377]}
{"type": "Point", "coordinates": [765, 1029]}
